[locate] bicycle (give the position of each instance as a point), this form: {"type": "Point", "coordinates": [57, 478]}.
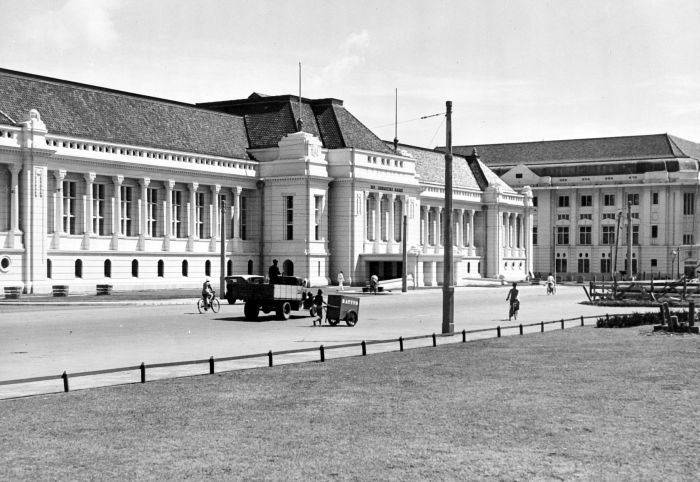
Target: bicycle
{"type": "Point", "coordinates": [513, 311]}
{"type": "Point", "coordinates": [204, 305]}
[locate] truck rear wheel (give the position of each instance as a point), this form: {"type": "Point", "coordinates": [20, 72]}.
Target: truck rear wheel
{"type": "Point", "coordinates": [351, 318]}
{"type": "Point", "coordinates": [284, 310]}
{"type": "Point", "coordinates": [251, 311]}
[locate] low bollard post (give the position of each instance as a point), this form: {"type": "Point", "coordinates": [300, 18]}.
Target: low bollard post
{"type": "Point", "coordinates": [143, 372]}
{"type": "Point", "coordinates": [323, 355]}
{"type": "Point", "coordinates": [464, 336]}
{"type": "Point", "coordinates": [434, 340]}
{"type": "Point", "coordinates": [581, 320]}
{"type": "Point", "coordinates": [211, 365]}
{"type": "Point", "coordinates": [65, 381]}
{"type": "Point", "coordinates": [364, 348]}
{"type": "Point", "coordinates": [541, 326]}
{"type": "Point", "coordinates": [562, 323]}
{"type": "Point", "coordinates": [269, 358]}
{"type": "Point", "coordinates": [521, 328]}
{"type": "Point", "coordinates": [401, 343]}
{"type": "Point", "coordinates": [498, 331]}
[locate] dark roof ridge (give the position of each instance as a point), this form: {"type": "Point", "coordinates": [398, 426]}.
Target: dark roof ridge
{"type": "Point", "coordinates": [105, 90]}
{"type": "Point", "coordinates": [256, 98]}
{"type": "Point", "coordinates": [438, 148]}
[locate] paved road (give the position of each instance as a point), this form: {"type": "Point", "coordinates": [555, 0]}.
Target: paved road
{"type": "Point", "coordinates": [39, 341]}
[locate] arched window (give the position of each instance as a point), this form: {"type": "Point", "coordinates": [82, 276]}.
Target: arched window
{"type": "Point", "coordinates": [135, 268]}
{"type": "Point", "coordinates": [108, 269]}
{"type": "Point", "coordinates": [49, 268]}
{"type": "Point", "coordinates": [288, 268]}
{"type": "Point", "coordinates": [185, 268]}
{"type": "Point", "coordinates": [250, 266]}
{"type": "Point", "coordinates": [207, 268]}
{"type": "Point", "coordinates": [229, 267]}
{"type": "Point", "coordinates": [78, 268]}
{"type": "Point", "coordinates": [161, 268]}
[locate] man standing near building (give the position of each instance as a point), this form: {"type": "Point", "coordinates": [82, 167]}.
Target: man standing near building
{"type": "Point", "coordinates": [274, 272]}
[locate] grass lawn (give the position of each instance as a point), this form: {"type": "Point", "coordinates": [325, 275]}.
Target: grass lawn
{"type": "Point", "coordinates": [583, 403]}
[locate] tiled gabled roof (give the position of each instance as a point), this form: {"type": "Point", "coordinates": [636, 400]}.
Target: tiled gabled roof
{"type": "Point", "coordinates": [430, 166]}
{"type": "Point", "coordinates": [657, 146]}
{"type": "Point", "coordinates": [85, 111]}
{"type": "Point", "coordinates": [269, 118]}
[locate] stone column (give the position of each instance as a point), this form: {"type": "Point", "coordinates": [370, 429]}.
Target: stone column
{"type": "Point", "coordinates": [88, 230]}
{"type": "Point", "coordinates": [168, 214]}
{"type": "Point", "coordinates": [459, 235]}
{"type": "Point", "coordinates": [471, 233]}
{"type": "Point", "coordinates": [390, 224]}
{"type": "Point", "coordinates": [377, 217]}
{"type": "Point", "coordinates": [214, 209]}
{"type": "Point", "coordinates": [58, 208]}
{"type": "Point", "coordinates": [438, 229]}
{"type": "Point", "coordinates": [143, 212]}
{"type": "Point", "coordinates": [236, 215]}
{"type": "Point", "coordinates": [192, 214]}
{"type": "Point", "coordinates": [117, 213]}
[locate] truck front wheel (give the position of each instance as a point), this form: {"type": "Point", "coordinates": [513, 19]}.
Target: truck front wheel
{"type": "Point", "coordinates": [284, 310]}
{"type": "Point", "coordinates": [251, 311]}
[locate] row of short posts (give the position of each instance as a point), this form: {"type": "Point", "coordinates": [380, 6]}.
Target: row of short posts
{"type": "Point", "coordinates": [322, 350]}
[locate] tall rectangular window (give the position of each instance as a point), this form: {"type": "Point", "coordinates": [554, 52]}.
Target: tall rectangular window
{"type": "Point", "coordinates": [98, 209]}
{"type": "Point", "coordinates": [70, 203]}
{"type": "Point", "coordinates": [633, 198]}
{"type": "Point", "coordinates": [152, 212]}
{"type": "Point", "coordinates": [563, 201]}
{"type": "Point", "coordinates": [289, 217]}
{"type": "Point", "coordinates": [534, 201]}
{"type": "Point", "coordinates": [244, 217]}
{"type": "Point", "coordinates": [176, 213]}
{"type": "Point", "coordinates": [562, 235]}
{"type": "Point", "coordinates": [584, 265]}
{"type": "Point", "coordinates": [126, 209]}
{"type": "Point", "coordinates": [534, 235]}
{"type": "Point", "coordinates": [655, 198]}
{"type": "Point", "coordinates": [586, 201]}
{"type": "Point", "coordinates": [608, 200]}
{"type": "Point", "coordinates": [608, 235]}
{"type": "Point", "coordinates": [318, 210]}
{"type": "Point", "coordinates": [199, 214]}
{"type": "Point", "coordinates": [688, 203]}
{"type": "Point", "coordinates": [561, 265]}
{"type": "Point", "coordinates": [688, 239]}
{"type": "Point", "coordinates": [654, 231]}
{"type": "Point", "coordinates": [605, 265]}
{"type": "Point", "coordinates": [585, 235]}
{"type": "Point", "coordinates": [635, 235]}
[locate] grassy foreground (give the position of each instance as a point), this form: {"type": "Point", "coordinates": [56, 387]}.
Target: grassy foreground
{"type": "Point", "coordinates": [584, 403]}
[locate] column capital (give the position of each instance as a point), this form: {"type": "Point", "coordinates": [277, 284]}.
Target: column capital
{"type": "Point", "coordinates": [15, 169]}
{"type": "Point", "coordinates": [145, 181]}
{"type": "Point", "coordinates": [60, 175]}
{"type": "Point", "coordinates": [118, 180]}
{"type": "Point", "coordinates": [90, 177]}
{"type": "Point", "coordinates": [215, 188]}
{"type": "Point", "coordinates": [237, 190]}
{"type": "Point", "coordinates": [170, 184]}
{"type": "Point", "coordinates": [193, 186]}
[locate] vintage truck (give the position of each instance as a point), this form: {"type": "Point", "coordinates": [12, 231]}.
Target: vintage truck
{"type": "Point", "coordinates": [282, 297]}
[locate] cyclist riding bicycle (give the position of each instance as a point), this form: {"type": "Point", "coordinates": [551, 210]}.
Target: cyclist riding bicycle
{"type": "Point", "coordinates": [551, 284]}
{"type": "Point", "coordinates": [207, 292]}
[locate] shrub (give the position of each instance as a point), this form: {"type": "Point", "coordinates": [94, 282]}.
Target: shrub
{"type": "Point", "coordinates": [637, 319]}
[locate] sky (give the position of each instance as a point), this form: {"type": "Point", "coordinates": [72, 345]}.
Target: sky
{"type": "Point", "coordinates": [515, 70]}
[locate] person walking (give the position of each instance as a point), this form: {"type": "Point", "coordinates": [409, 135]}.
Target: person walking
{"type": "Point", "coordinates": [341, 280]}
{"type": "Point", "coordinates": [318, 302]}
{"type": "Point", "coordinates": [514, 302]}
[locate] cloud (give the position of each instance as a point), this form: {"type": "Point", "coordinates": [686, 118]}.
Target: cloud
{"type": "Point", "coordinates": [352, 56]}
{"type": "Point", "coordinates": [76, 23]}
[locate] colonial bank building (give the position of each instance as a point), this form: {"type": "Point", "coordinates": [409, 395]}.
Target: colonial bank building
{"type": "Point", "coordinates": [99, 186]}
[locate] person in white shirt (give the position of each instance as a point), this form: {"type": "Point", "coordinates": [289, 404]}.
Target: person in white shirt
{"type": "Point", "coordinates": [341, 280]}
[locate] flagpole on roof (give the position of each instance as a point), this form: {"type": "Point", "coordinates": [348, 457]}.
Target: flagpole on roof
{"type": "Point", "coordinates": [300, 122]}
{"type": "Point", "coordinates": [396, 121]}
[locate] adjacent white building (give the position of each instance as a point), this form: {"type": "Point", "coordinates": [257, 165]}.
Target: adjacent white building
{"type": "Point", "coordinates": [99, 186]}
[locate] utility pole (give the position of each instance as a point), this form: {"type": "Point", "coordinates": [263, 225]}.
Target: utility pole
{"type": "Point", "coordinates": [629, 240]}
{"type": "Point", "coordinates": [617, 243]}
{"type": "Point", "coordinates": [222, 285]}
{"type": "Point", "coordinates": [448, 291]}
{"type": "Point", "coordinates": [404, 257]}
